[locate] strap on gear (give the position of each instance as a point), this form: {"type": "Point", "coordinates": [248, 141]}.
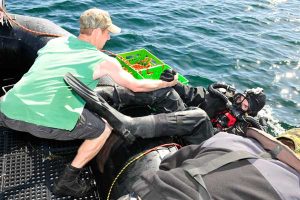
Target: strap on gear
{"type": "Point", "coordinates": [197, 172]}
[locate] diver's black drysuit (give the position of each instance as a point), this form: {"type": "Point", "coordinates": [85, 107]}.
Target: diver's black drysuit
{"type": "Point", "coordinates": [164, 100]}
{"type": "Point", "coordinates": [175, 117]}
{"type": "Point", "coordinates": [177, 98]}
{"type": "Point", "coordinates": [180, 107]}
{"type": "Point", "coordinates": [170, 101]}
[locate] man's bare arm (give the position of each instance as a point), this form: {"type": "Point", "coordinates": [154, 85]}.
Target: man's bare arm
{"type": "Point", "coordinates": [125, 79]}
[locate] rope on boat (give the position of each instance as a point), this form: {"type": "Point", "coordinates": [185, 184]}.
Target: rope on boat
{"type": "Point", "coordinates": [26, 29]}
{"type": "Point", "coordinates": [135, 159]}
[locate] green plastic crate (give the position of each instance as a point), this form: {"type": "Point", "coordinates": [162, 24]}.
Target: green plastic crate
{"type": "Point", "coordinates": [153, 72]}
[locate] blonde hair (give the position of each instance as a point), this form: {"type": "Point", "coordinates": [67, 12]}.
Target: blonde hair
{"type": "Point", "coordinates": [86, 31]}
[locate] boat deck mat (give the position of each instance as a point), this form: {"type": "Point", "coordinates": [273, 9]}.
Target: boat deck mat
{"type": "Point", "coordinates": [29, 166]}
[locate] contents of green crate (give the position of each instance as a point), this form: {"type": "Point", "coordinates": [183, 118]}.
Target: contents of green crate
{"type": "Point", "coordinates": [144, 65]}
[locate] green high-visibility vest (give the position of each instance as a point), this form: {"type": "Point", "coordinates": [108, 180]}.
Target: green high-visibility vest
{"type": "Point", "coordinates": [42, 97]}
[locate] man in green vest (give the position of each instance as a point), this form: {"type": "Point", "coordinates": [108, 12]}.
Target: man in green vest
{"type": "Point", "coordinates": [42, 104]}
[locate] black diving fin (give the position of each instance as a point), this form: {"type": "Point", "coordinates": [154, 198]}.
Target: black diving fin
{"type": "Point", "coordinates": [97, 104]}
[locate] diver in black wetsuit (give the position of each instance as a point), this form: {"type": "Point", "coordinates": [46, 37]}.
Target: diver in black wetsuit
{"type": "Point", "coordinates": [228, 111]}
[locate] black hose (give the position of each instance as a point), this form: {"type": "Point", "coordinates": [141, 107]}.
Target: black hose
{"type": "Point", "coordinates": [212, 89]}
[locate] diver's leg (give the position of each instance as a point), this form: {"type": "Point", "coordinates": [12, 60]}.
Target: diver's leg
{"type": "Point", "coordinates": [119, 97]}
{"type": "Point", "coordinates": [193, 126]}
{"type": "Point", "coordinates": [191, 96]}
{"type": "Point", "coordinates": [162, 100]}
{"type": "Point", "coordinates": [167, 100]}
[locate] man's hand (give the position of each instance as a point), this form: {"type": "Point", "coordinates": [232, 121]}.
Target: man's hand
{"type": "Point", "coordinates": [174, 81]}
{"type": "Point", "coordinates": [239, 128]}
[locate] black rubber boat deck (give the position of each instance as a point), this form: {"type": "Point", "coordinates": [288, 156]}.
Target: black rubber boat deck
{"type": "Point", "coordinates": [29, 166]}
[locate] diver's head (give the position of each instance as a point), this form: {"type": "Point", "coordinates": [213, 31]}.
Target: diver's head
{"type": "Point", "coordinates": [257, 100]}
{"type": "Point", "coordinates": [251, 102]}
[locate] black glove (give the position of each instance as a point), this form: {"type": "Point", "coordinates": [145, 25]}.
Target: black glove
{"type": "Point", "coordinates": [239, 128]}
{"type": "Point", "coordinates": [263, 121]}
{"type": "Point", "coordinates": [167, 75]}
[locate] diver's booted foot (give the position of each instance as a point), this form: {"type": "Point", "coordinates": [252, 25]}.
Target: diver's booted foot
{"type": "Point", "coordinates": [70, 184]}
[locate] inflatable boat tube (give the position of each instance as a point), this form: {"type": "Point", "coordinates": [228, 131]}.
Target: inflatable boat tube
{"type": "Point", "coordinates": [18, 46]}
